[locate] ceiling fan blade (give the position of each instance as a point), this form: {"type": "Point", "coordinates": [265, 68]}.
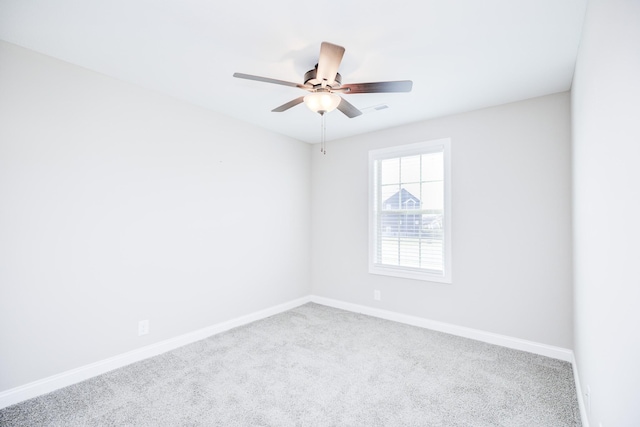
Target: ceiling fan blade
{"type": "Point", "coordinates": [348, 109]}
{"type": "Point", "coordinates": [268, 80]}
{"type": "Point", "coordinates": [378, 87]}
{"type": "Point", "coordinates": [285, 107]}
{"type": "Point", "coordinates": [329, 61]}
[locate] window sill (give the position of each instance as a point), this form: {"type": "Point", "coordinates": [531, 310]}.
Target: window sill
{"type": "Point", "coordinates": [406, 273]}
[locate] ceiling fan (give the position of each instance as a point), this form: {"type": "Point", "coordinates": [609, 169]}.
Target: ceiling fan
{"type": "Point", "coordinates": [325, 83]}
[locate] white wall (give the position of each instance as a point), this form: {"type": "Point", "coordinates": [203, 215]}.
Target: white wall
{"type": "Point", "coordinates": [606, 156]}
{"type": "Point", "coordinates": [119, 204]}
{"type": "Point", "coordinates": [511, 222]}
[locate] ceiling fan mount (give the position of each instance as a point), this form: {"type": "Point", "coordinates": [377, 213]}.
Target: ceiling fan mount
{"type": "Point", "coordinates": [325, 80]}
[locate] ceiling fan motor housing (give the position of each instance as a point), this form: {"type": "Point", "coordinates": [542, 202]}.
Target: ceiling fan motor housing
{"type": "Point", "coordinates": [310, 78]}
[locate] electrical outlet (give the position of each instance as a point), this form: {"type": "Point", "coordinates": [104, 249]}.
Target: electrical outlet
{"type": "Point", "coordinates": [376, 295]}
{"type": "Point", "coordinates": [143, 327]}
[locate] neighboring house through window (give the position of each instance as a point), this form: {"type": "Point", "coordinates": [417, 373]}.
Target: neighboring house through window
{"type": "Point", "coordinates": [410, 211]}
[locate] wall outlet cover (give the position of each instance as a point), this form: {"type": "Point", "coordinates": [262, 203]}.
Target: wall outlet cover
{"type": "Point", "coordinates": [143, 327]}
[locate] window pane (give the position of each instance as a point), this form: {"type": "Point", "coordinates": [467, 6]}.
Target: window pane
{"type": "Point", "coordinates": [391, 225]}
{"type": "Point", "coordinates": [390, 171]}
{"type": "Point", "coordinates": [410, 169]}
{"type": "Point", "coordinates": [410, 196]}
{"type": "Point", "coordinates": [432, 167]}
{"type": "Point", "coordinates": [390, 196]}
{"type": "Point", "coordinates": [389, 251]}
{"type": "Point", "coordinates": [431, 254]}
{"type": "Point", "coordinates": [432, 195]}
{"type": "Point", "coordinates": [410, 252]}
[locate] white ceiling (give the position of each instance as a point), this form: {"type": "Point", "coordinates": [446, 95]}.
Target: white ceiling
{"type": "Point", "coordinates": [460, 54]}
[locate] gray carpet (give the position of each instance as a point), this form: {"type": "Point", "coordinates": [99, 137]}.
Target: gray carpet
{"type": "Point", "coordinates": [319, 366]}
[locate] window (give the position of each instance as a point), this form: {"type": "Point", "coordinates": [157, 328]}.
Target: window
{"type": "Point", "coordinates": [410, 211]}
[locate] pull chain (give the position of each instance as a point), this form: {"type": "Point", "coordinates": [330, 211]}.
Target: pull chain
{"type": "Point", "coordinates": [323, 131]}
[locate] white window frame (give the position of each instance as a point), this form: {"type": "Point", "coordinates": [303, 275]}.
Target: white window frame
{"type": "Point", "coordinates": [444, 145]}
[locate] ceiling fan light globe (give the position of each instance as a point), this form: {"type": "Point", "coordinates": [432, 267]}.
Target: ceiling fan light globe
{"type": "Point", "coordinates": [322, 101]}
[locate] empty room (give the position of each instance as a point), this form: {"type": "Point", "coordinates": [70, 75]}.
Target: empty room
{"type": "Point", "coordinates": [334, 214]}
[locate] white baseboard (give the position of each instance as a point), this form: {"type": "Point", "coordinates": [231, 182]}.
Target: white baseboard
{"type": "Point", "coordinates": [581, 403]}
{"type": "Point", "coordinates": [64, 379]}
{"type": "Point", "coordinates": [55, 382]}
{"type": "Point", "coordinates": [488, 337]}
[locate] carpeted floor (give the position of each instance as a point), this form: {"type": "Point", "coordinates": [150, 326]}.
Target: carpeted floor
{"type": "Point", "coordinates": [319, 366]}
